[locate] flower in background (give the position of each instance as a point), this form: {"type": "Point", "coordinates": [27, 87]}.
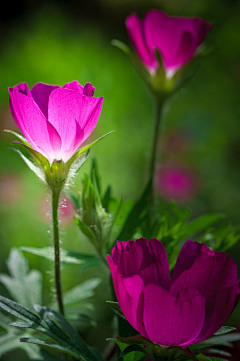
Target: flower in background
{"type": "Point", "coordinates": [182, 310]}
{"type": "Point", "coordinates": [176, 38]}
{"type": "Point", "coordinates": [55, 120]}
{"type": "Point", "coordinates": [176, 182]}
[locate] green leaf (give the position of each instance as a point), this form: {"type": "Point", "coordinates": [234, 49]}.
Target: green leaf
{"type": "Point", "coordinates": [84, 149]}
{"type": "Point", "coordinates": [201, 223]}
{"type": "Point", "coordinates": [38, 171]}
{"type": "Point", "coordinates": [75, 198]}
{"type": "Point", "coordinates": [53, 325]}
{"type": "Point", "coordinates": [81, 292]}
{"type": "Point", "coordinates": [67, 257]}
{"type": "Point", "coordinates": [224, 329]}
{"type": "Point", "coordinates": [116, 308]}
{"type": "Point", "coordinates": [66, 349]}
{"type": "Point", "coordinates": [81, 317]}
{"type": "Point", "coordinates": [134, 218]}
{"type": "Point", "coordinates": [24, 286]}
{"type": "Point", "coordinates": [86, 231]}
{"type": "Point", "coordinates": [106, 198]}
{"type": "Point", "coordinates": [119, 44]}
{"type": "Point", "coordinates": [131, 348]}
{"type": "Point", "coordinates": [224, 340]}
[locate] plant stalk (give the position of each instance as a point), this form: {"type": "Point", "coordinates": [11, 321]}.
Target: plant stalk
{"type": "Point", "coordinates": [157, 123]}
{"type": "Point", "coordinates": [57, 260]}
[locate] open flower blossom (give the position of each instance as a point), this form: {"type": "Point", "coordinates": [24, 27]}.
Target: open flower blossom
{"type": "Point", "coordinates": [185, 309]}
{"type": "Point", "coordinates": [55, 120]}
{"type": "Point", "coordinates": [176, 38]}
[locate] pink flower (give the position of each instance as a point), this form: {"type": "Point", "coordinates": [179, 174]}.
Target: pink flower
{"type": "Point", "coordinates": [177, 39]}
{"type": "Point", "coordinates": [185, 309]}
{"type": "Point", "coordinates": [55, 120]}
{"type": "Point", "coordinates": [176, 182]}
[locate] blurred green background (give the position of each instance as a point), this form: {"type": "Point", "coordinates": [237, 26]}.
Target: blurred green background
{"type": "Point", "coordinates": [57, 42]}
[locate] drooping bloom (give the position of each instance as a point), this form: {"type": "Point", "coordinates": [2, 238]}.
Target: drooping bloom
{"type": "Point", "coordinates": [176, 38]}
{"type": "Point", "coordinates": [55, 120]}
{"type": "Point", "coordinates": [185, 309]}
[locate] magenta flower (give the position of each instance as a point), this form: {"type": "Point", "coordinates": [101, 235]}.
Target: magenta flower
{"type": "Point", "coordinates": [177, 39]}
{"type": "Point", "coordinates": [55, 120]}
{"type": "Point", "coordinates": [186, 309]}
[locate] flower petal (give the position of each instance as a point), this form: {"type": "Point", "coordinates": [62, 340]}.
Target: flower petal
{"type": "Point", "coordinates": [173, 320]}
{"type": "Point", "coordinates": [90, 112]}
{"type": "Point", "coordinates": [227, 300]}
{"type": "Point", "coordinates": [31, 122]}
{"type": "Point", "coordinates": [128, 292]}
{"type": "Point", "coordinates": [74, 116]}
{"type": "Point", "coordinates": [136, 34]}
{"type": "Point", "coordinates": [150, 261]}
{"type": "Point", "coordinates": [40, 93]}
{"type": "Point", "coordinates": [206, 270]}
{"type": "Point", "coordinates": [176, 38]}
{"type": "Point", "coordinates": [74, 85]}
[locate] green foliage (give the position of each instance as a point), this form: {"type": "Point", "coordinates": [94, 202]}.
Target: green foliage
{"type": "Point", "coordinates": [53, 325]}
{"type": "Point", "coordinates": [116, 308]}
{"type": "Point", "coordinates": [23, 285]}
{"type": "Point", "coordinates": [67, 257]}
{"type": "Point", "coordinates": [26, 287]}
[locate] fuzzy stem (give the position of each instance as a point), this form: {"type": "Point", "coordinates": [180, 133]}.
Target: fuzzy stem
{"type": "Point", "coordinates": [57, 262]}
{"type": "Point", "coordinates": [159, 107]}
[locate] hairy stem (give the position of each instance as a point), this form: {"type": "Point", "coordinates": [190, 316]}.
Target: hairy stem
{"type": "Point", "coordinates": [57, 262]}
{"type": "Point", "coordinates": [159, 107]}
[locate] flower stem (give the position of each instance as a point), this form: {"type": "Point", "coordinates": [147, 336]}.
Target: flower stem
{"type": "Point", "coordinates": [159, 107]}
{"type": "Point", "coordinates": [57, 262]}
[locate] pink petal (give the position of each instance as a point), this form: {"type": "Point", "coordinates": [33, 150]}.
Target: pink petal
{"type": "Point", "coordinates": [137, 36]}
{"type": "Point", "coordinates": [31, 121]}
{"type": "Point", "coordinates": [40, 93]}
{"type": "Point", "coordinates": [74, 85]}
{"type": "Point", "coordinates": [21, 88]}
{"type": "Point", "coordinates": [90, 112]}
{"type": "Point", "coordinates": [128, 293]}
{"type": "Point", "coordinates": [177, 39]}
{"type": "Point", "coordinates": [226, 302]}
{"type": "Point", "coordinates": [150, 261]}
{"type": "Point", "coordinates": [173, 320]}
{"type": "Point", "coordinates": [206, 270]}
{"type": "Point", "coordinates": [74, 116]}
{"type": "Point", "coordinates": [88, 90]}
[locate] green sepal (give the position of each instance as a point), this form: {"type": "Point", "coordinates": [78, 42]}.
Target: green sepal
{"type": "Point", "coordinates": [19, 136]}
{"type": "Point", "coordinates": [38, 157]}
{"type": "Point", "coordinates": [84, 149]}
{"type": "Point", "coordinates": [38, 171]}
{"type": "Point", "coordinates": [116, 308]}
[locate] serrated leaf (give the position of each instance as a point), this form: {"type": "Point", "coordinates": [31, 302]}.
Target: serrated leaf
{"type": "Point", "coordinates": [224, 329]}
{"type": "Point", "coordinates": [24, 286]}
{"type": "Point", "coordinates": [39, 173]}
{"type": "Point", "coordinates": [116, 308]}
{"type": "Point", "coordinates": [81, 291]}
